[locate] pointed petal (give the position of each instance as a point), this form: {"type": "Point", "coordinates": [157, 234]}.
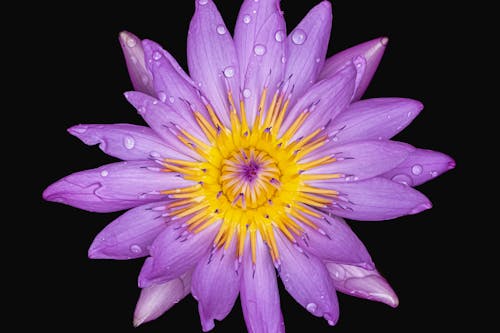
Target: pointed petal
{"type": "Point", "coordinates": [174, 252]}
{"type": "Point", "coordinates": [324, 101]}
{"type": "Point", "coordinates": [373, 119]}
{"type": "Point", "coordinates": [259, 293]}
{"type": "Point", "coordinates": [307, 45]}
{"type": "Point", "coordinates": [124, 141]}
{"type": "Point", "coordinates": [260, 45]}
{"type": "Point", "coordinates": [216, 285]}
{"type": "Point", "coordinates": [306, 279]}
{"type": "Point", "coordinates": [376, 199]}
{"type": "Point", "coordinates": [363, 283]}
{"type": "Point", "coordinates": [372, 51]}
{"type": "Point", "coordinates": [361, 159]}
{"type": "Point", "coordinates": [131, 234]}
{"type": "Point", "coordinates": [334, 241]}
{"type": "Point", "coordinates": [158, 298]}
{"type": "Point", "coordinates": [114, 187]}
{"type": "Point", "coordinates": [134, 56]}
{"type": "Point", "coordinates": [212, 58]}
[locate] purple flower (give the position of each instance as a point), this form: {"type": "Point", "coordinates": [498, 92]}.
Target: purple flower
{"type": "Point", "coordinates": [249, 166]}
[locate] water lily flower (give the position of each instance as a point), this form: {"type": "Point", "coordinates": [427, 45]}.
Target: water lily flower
{"type": "Point", "coordinates": [248, 167]}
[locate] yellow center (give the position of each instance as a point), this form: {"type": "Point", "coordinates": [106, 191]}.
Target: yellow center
{"type": "Point", "coordinates": [250, 179]}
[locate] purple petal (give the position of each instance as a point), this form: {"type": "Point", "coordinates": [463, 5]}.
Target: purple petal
{"type": "Point", "coordinates": [158, 298]}
{"type": "Point", "coordinates": [361, 159]}
{"type": "Point", "coordinates": [324, 101]}
{"type": "Point", "coordinates": [259, 293]}
{"type": "Point", "coordinates": [114, 187]}
{"type": "Point", "coordinates": [171, 84]}
{"type": "Point", "coordinates": [420, 166]}
{"type": "Point", "coordinates": [134, 56]}
{"type": "Point", "coordinates": [373, 119]}
{"type": "Point", "coordinates": [376, 199]}
{"type": "Point", "coordinates": [212, 59]}
{"type": "Point", "coordinates": [334, 241]}
{"type": "Point", "coordinates": [174, 252]}
{"type": "Point", "coordinates": [306, 279]}
{"type": "Point", "coordinates": [124, 141]}
{"type": "Point", "coordinates": [307, 45]}
{"type": "Point", "coordinates": [130, 235]}
{"type": "Point", "coordinates": [216, 285]}
{"type": "Point", "coordinates": [260, 35]}
{"type": "Point", "coordinates": [372, 51]}
{"type": "Point", "coordinates": [360, 282]}
{"type": "Point", "coordinates": [165, 121]}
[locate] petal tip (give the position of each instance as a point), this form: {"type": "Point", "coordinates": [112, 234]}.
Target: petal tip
{"type": "Point", "coordinates": [384, 41]}
{"type": "Point", "coordinates": [451, 164]}
{"type": "Point", "coordinates": [137, 321]}
{"type": "Point", "coordinates": [421, 207]}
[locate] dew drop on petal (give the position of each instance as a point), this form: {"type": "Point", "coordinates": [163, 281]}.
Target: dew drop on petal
{"type": "Point", "coordinates": [128, 142]}
{"type": "Point", "coordinates": [416, 169]}
{"type": "Point", "coordinates": [134, 248]}
{"type": "Point", "coordinates": [155, 154]}
{"type": "Point", "coordinates": [279, 36]}
{"type": "Point", "coordinates": [221, 30]}
{"type": "Point", "coordinates": [133, 59]}
{"type": "Point", "coordinates": [403, 179]}
{"type": "Point", "coordinates": [131, 42]}
{"type": "Point", "coordinates": [247, 19]}
{"type": "Point", "coordinates": [318, 60]}
{"type": "Point", "coordinates": [104, 173]}
{"type": "Point", "coordinates": [171, 99]}
{"type": "Point", "coordinates": [141, 110]}
{"type": "Point", "coordinates": [311, 307]}
{"type": "Point", "coordinates": [283, 60]}
{"type": "Point", "coordinates": [434, 173]}
{"type": "Point", "coordinates": [247, 93]}
{"type": "Point", "coordinates": [162, 96]}
{"type": "Point", "coordinates": [156, 55]}
{"type": "Point", "coordinates": [202, 2]}
{"type": "Point", "coordinates": [259, 49]}
{"type": "Point", "coordinates": [299, 36]}
{"type": "Point", "coordinates": [229, 71]}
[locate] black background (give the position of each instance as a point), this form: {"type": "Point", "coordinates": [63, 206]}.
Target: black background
{"type": "Point", "coordinates": [80, 77]}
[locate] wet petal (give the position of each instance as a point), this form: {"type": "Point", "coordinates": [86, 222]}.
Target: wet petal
{"type": "Point", "coordinates": [372, 51]}
{"type": "Point", "coordinates": [174, 252]}
{"type": "Point", "coordinates": [307, 45]}
{"type": "Point", "coordinates": [134, 56]}
{"type": "Point", "coordinates": [259, 293]}
{"type": "Point", "coordinates": [376, 199]}
{"type": "Point", "coordinates": [420, 166]}
{"type": "Point", "coordinates": [124, 141]}
{"type": "Point", "coordinates": [114, 187]}
{"type": "Point", "coordinates": [361, 159]}
{"type": "Point", "coordinates": [158, 298]}
{"type": "Point", "coordinates": [212, 58]}
{"type": "Point", "coordinates": [306, 279]}
{"type": "Point", "coordinates": [363, 283]}
{"type": "Point", "coordinates": [216, 285]}
{"type": "Point", "coordinates": [131, 234]}
{"type": "Point", "coordinates": [373, 119]}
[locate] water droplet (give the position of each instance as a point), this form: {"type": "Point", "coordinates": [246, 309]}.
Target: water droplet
{"type": "Point", "coordinates": [221, 30]}
{"type": "Point", "coordinates": [416, 169]}
{"type": "Point", "coordinates": [128, 142]}
{"type": "Point", "coordinates": [131, 42]}
{"type": "Point", "coordinates": [299, 36]}
{"type": "Point", "coordinates": [162, 96]}
{"type": "Point", "coordinates": [279, 36]}
{"type": "Point", "coordinates": [134, 248]}
{"type": "Point", "coordinates": [247, 93]}
{"type": "Point", "coordinates": [141, 110]}
{"type": "Point", "coordinates": [318, 60]}
{"type": "Point", "coordinates": [247, 19]}
{"type": "Point", "coordinates": [156, 55]}
{"type": "Point", "coordinates": [229, 71]}
{"type": "Point", "coordinates": [133, 59]}
{"type": "Point", "coordinates": [403, 179]}
{"type": "Point", "coordinates": [311, 307]}
{"type": "Point", "coordinates": [202, 2]}
{"type": "Point", "coordinates": [331, 322]}
{"type": "Point", "coordinates": [283, 60]}
{"type": "Point", "coordinates": [434, 173]}
{"type": "Point", "coordinates": [155, 154]}
{"type": "Point", "coordinates": [254, 11]}
{"type": "Point", "coordinates": [104, 173]}
{"type": "Point", "coordinates": [259, 49]}
{"type": "Point", "coordinates": [409, 114]}
{"type": "Point", "coordinates": [171, 99]}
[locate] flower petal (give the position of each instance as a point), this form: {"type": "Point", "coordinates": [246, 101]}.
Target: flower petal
{"type": "Point", "coordinates": [420, 166]}
{"type": "Point", "coordinates": [376, 199]}
{"type": "Point", "coordinates": [373, 119]}
{"type": "Point", "coordinates": [259, 293]}
{"type": "Point", "coordinates": [260, 43]}
{"type": "Point", "coordinates": [361, 159]}
{"type": "Point", "coordinates": [324, 100]}
{"type": "Point", "coordinates": [131, 234]}
{"type": "Point", "coordinates": [334, 241]}
{"type": "Point", "coordinates": [212, 59]}
{"type": "Point", "coordinates": [124, 141]}
{"type": "Point", "coordinates": [114, 187]}
{"type": "Point", "coordinates": [306, 279]}
{"type": "Point", "coordinates": [307, 45]}
{"type": "Point", "coordinates": [372, 51]}
{"type": "Point", "coordinates": [158, 298]}
{"type": "Point", "coordinates": [134, 57]}
{"type": "Point", "coordinates": [174, 252]}
{"type": "Point", "coordinates": [360, 282]}
{"type": "Point", "coordinates": [216, 285]}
